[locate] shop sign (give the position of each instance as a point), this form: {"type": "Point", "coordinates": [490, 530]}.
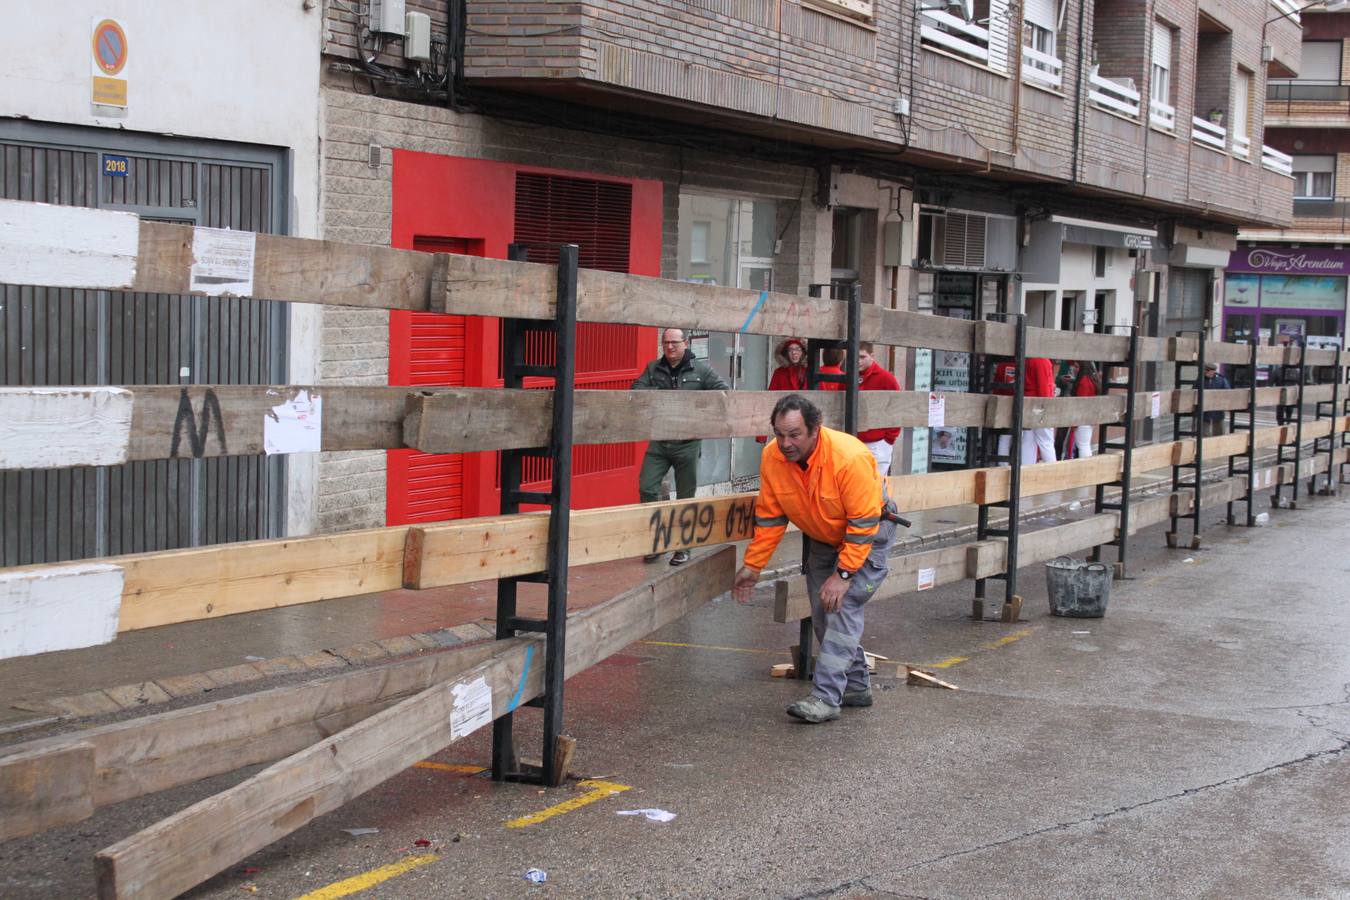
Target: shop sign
{"type": "Point", "coordinates": [1290, 261]}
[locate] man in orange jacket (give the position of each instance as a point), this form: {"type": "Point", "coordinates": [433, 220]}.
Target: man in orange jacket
{"type": "Point", "coordinates": [826, 483]}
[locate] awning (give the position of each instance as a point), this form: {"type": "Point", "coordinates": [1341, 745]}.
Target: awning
{"type": "Point", "coordinates": [1106, 234]}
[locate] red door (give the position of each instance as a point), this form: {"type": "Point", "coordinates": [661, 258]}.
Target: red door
{"type": "Point", "coordinates": [447, 204]}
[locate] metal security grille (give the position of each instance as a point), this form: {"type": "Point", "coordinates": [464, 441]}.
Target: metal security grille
{"type": "Point", "coordinates": [52, 337]}
{"type": "Point", "coordinates": [597, 217]}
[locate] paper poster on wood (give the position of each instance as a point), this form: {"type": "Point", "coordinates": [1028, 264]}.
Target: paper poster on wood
{"type": "Point", "coordinates": [473, 707]}
{"type": "Point", "coordinates": [927, 578]}
{"type": "Point", "coordinates": [1155, 404]}
{"type": "Point", "coordinates": [222, 262]}
{"type": "Point", "coordinates": [294, 426]}
{"type": "Point", "coordinates": [937, 410]}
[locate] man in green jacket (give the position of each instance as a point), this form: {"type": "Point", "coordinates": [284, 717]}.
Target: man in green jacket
{"type": "Point", "coordinates": [677, 369]}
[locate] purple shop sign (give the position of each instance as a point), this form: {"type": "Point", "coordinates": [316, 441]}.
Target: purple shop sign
{"type": "Point", "coordinates": [1290, 261]}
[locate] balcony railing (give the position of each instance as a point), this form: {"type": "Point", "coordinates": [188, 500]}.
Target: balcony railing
{"type": "Point", "coordinates": [1276, 161]}
{"type": "Point", "coordinates": [1294, 90]}
{"type": "Point", "coordinates": [1207, 133]}
{"type": "Point", "coordinates": [1326, 212]}
{"type": "Point", "coordinates": [1314, 99]}
{"type": "Point", "coordinates": [955, 35]}
{"type": "Point", "coordinates": [1114, 95]}
{"type": "Point", "coordinates": [1242, 147]}
{"type": "Point", "coordinates": [1287, 8]}
{"type": "Point", "coordinates": [1042, 68]}
{"type": "Point", "coordinates": [1162, 115]}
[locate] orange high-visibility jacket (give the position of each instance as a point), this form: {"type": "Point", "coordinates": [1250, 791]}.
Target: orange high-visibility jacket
{"type": "Point", "coordinates": [836, 499]}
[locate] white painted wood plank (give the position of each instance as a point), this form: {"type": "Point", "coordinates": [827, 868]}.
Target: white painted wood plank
{"type": "Point", "coordinates": [59, 608]}
{"type": "Point", "coordinates": [67, 246]}
{"type": "Point", "coordinates": [52, 427]}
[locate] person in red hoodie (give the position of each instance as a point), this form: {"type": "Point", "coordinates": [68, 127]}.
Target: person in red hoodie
{"type": "Point", "coordinates": [872, 377]}
{"type": "Point", "coordinates": [1040, 383]}
{"type": "Point", "coordinates": [791, 372]}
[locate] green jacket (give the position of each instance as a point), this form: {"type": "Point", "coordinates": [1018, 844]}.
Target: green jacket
{"type": "Point", "coordinates": [692, 374]}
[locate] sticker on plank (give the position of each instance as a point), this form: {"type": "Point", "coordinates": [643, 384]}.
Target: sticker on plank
{"type": "Point", "coordinates": [67, 246]}
{"type": "Point", "coordinates": [295, 425]}
{"type": "Point", "coordinates": [472, 708]}
{"type": "Point", "coordinates": [927, 579]}
{"type": "Point", "coordinates": [222, 262]}
{"type": "Point", "coordinates": [59, 608]}
{"type": "Point", "coordinates": [55, 427]}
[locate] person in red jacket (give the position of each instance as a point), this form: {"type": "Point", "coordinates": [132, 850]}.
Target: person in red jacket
{"type": "Point", "coordinates": [872, 377]}
{"type": "Point", "coordinates": [1040, 383]}
{"type": "Point", "coordinates": [832, 363]}
{"type": "Point", "coordinates": [791, 372]}
{"type": "Point", "coordinates": [1086, 382]}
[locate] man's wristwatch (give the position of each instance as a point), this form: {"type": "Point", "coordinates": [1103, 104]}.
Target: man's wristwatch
{"type": "Point", "coordinates": [845, 574]}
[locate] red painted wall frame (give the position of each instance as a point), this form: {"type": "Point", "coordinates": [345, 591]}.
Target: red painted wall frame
{"type": "Point", "coordinates": [458, 204]}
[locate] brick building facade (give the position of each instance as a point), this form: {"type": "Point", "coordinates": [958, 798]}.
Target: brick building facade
{"type": "Point", "coordinates": [837, 120]}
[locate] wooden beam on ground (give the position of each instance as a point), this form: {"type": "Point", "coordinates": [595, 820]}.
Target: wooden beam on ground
{"type": "Point", "coordinates": [185, 849]}
{"type": "Point", "coordinates": [41, 789]}
{"type": "Point", "coordinates": [63, 779]}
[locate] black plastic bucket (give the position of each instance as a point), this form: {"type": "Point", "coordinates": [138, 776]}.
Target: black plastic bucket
{"type": "Point", "coordinates": [1079, 590]}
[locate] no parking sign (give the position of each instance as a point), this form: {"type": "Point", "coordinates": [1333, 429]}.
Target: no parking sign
{"type": "Point", "coordinates": [108, 63]}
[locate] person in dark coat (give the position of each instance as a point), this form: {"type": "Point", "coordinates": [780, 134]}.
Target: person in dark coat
{"type": "Point", "coordinates": [1213, 424]}
{"type": "Point", "coordinates": [676, 369]}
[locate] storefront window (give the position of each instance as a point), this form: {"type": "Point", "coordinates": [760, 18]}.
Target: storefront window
{"type": "Point", "coordinates": [728, 241]}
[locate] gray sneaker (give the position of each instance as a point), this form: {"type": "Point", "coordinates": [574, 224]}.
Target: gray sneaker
{"type": "Point", "coordinates": [857, 698]}
{"type": "Point", "coordinates": [813, 710]}
{"type": "Point", "coordinates": [679, 557]}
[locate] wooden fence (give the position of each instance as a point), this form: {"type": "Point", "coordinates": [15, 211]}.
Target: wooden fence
{"type": "Point", "coordinates": [333, 739]}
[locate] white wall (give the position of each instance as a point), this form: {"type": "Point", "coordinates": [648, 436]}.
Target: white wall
{"type": "Point", "coordinates": [1077, 272]}
{"type": "Point", "coordinates": [244, 71]}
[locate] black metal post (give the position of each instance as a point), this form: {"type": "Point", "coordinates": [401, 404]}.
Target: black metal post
{"type": "Point", "coordinates": [1248, 466]}
{"type": "Point", "coordinates": [1126, 448]}
{"type": "Point", "coordinates": [1326, 409]}
{"type": "Point", "coordinates": [1011, 528]}
{"type": "Point", "coordinates": [1194, 429]}
{"type": "Point", "coordinates": [559, 496]}
{"type": "Point", "coordinates": [1290, 451]}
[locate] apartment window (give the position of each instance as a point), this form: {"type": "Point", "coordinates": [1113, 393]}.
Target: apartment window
{"type": "Point", "coordinates": [1314, 177]}
{"type": "Point", "coordinates": [854, 9]}
{"type": "Point", "coordinates": [1101, 261]}
{"type": "Point", "coordinates": [1321, 63]}
{"type": "Point", "coordinates": [1041, 26]}
{"type": "Point", "coordinates": [1242, 104]}
{"type": "Point", "coordinates": [1161, 112]}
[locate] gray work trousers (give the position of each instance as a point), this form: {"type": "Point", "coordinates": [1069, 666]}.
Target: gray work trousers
{"type": "Point", "coordinates": [841, 665]}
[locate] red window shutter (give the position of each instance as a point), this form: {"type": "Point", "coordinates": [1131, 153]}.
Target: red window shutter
{"type": "Point", "coordinates": [427, 487]}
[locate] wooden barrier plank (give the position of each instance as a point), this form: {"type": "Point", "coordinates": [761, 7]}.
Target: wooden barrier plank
{"type": "Point", "coordinates": [191, 846]}
{"type": "Point", "coordinates": [54, 427]}
{"type": "Point", "coordinates": [197, 421]}
{"type": "Point", "coordinates": [102, 249]}
{"type": "Point", "coordinates": [58, 607]}
{"type": "Point", "coordinates": [93, 768]}
{"type": "Point", "coordinates": [208, 582]}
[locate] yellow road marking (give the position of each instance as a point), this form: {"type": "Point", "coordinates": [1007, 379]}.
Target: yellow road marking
{"type": "Point", "coordinates": [365, 880]}
{"type": "Point", "coordinates": [602, 789]}
{"type": "Point", "coordinates": [450, 767]}
{"type": "Point", "coordinates": [1007, 639]}
{"type": "Point", "coordinates": [950, 661]}
{"type": "Point", "coordinates": [711, 647]}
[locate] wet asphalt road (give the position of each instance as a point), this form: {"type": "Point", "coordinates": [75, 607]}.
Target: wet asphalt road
{"type": "Point", "coordinates": [1192, 743]}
